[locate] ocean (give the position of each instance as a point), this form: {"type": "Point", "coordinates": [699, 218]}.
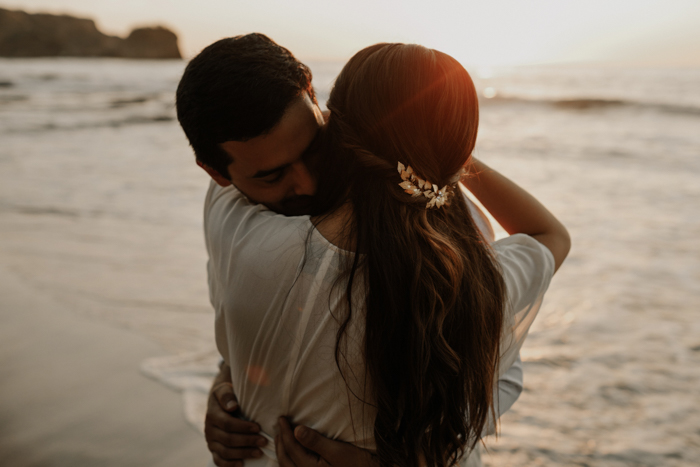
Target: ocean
{"type": "Point", "coordinates": [101, 207]}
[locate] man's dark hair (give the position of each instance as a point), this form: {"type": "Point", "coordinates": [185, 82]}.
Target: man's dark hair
{"type": "Point", "coordinates": [234, 90]}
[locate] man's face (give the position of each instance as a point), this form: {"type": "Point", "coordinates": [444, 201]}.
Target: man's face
{"type": "Point", "coordinates": [271, 169]}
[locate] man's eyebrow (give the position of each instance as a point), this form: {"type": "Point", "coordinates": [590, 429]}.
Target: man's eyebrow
{"type": "Point", "coordinates": [265, 173]}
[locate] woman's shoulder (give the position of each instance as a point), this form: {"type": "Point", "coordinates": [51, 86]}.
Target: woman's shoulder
{"type": "Point", "coordinates": [525, 249]}
{"type": "Point", "coordinates": [527, 267]}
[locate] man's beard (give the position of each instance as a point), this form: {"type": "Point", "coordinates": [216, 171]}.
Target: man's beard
{"type": "Point", "coordinates": [293, 206]}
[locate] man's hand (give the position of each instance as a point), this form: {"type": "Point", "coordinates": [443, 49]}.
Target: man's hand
{"type": "Point", "coordinates": [230, 439]}
{"type": "Point", "coordinates": [305, 447]}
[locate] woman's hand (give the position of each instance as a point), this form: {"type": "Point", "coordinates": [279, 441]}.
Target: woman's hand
{"type": "Point", "coordinates": [305, 447]}
{"type": "Point", "coordinates": [517, 210]}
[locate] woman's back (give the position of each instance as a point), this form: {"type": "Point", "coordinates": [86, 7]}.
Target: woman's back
{"type": "Point", "coordinates": [276, 326]}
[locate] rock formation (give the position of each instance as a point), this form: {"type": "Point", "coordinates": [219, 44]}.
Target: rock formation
{"type": "Point", "coordinates": [44, 35]}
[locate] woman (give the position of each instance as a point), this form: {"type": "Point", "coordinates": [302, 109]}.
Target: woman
{"type": "Point", "coordinates": [405, 317]}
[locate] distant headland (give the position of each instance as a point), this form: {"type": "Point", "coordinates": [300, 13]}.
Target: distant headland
{"type": "Point", "coordinates": [44, 35]}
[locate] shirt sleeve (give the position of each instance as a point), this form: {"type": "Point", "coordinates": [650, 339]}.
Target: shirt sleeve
{"type": "Point", "coordinates": [527, 267]}
{"type": "Point", "coordinates": [251, 249]}
{"type": "Point", "coordinates": [237, 230]}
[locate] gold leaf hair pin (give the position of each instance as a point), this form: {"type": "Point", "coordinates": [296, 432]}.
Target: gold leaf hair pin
{"type": "Point", "coordinates": [416, 186]}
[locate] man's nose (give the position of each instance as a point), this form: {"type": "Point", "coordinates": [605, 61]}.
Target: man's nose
{"type": "Point", "coordinates": [304, 182]}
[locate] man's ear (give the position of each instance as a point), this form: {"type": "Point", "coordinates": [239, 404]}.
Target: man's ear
{"type": "Point", "coordinates": [218, 178]}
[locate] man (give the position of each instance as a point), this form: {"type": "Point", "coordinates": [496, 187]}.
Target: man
{"type": "Point", "coordinates": [249, 111]}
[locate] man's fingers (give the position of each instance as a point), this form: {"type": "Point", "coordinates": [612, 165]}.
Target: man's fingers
{"type": "Point", "coordinates": [224, 394]}
{"type": "Point", "coordinates": [282, 458]}
{"type": "Point", "coordinates": [233, 440]}
{"type": "Point", "coordinates": [313, 441]}
{"type": "Point", "coordinates": [224, 463]}
{"type": "Point", "coordinates": [236, 425]}
{"type": "Point", "coordinates": [233, 454]}
{"type": "Point", "coordinates": [333, 452]}
{"type": "Point", "coordinates": [291, 446]}
{"type": "Point", "coordinates": [230, 423]}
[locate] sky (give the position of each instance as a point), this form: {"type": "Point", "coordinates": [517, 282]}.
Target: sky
{"type": "Point", "coordinates": [479, 32]}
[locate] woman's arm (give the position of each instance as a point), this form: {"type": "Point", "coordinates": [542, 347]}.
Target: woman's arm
{"type": "Point", "coordinates": [517, 210]}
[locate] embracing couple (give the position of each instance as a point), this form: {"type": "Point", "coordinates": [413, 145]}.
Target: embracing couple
{"type": "Point", "coordinates": [359, 294]}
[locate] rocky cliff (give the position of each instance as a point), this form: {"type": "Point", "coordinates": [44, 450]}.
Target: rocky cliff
{"type": "Point", "coordinates": [44, 35]}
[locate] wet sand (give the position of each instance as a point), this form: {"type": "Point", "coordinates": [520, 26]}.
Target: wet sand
{"type": "Point", "coordinates": [72, 394]}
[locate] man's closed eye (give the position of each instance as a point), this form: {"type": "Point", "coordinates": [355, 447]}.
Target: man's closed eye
{"type": "Point", "coordinates": [274, 177]}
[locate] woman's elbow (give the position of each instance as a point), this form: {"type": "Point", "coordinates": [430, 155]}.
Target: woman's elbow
{"type": "Point", "coordinates": [561, 248]}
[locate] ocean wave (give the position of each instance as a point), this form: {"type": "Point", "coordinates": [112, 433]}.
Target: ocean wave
{"type": "Point", "coordinates": [83, 125]}
{"type": "Point", "coordinates": [39, 210]}
{"type": "Point", "coordinates": [587, 103]}
{"type": "Point", "coordinates": [6, 98]}
{"type": "Point", "coordinates": [88, 212]}
{"type": "Point", "coordinates": [117, 103]}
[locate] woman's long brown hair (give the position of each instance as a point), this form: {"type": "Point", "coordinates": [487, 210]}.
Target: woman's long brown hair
{"type": "Point", "coordinates": [435, 296]}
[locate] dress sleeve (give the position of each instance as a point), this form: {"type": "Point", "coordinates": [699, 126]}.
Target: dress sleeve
{"type": "Point", "coordinates": [527, 267]}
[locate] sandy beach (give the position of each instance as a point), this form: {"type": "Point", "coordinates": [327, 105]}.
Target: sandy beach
{"type": "Point", "coordinates": [72, 392]}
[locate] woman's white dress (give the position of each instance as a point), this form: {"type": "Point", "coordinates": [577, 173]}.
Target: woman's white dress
{"type": "Point", "coordinates": [271, 283]}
